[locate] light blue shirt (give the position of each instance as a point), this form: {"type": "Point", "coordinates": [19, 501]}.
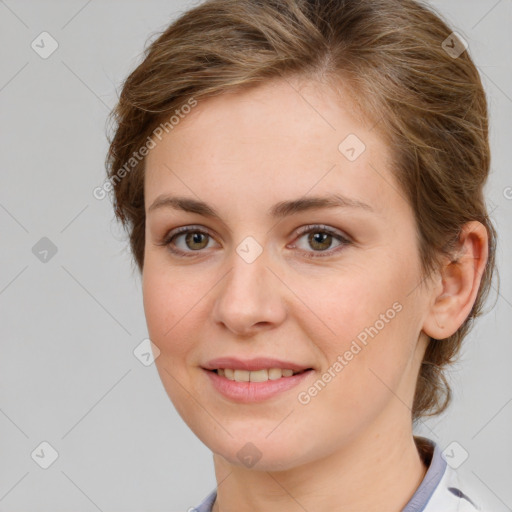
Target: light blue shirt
{"type": "Point", "coordinates": [440, 491]}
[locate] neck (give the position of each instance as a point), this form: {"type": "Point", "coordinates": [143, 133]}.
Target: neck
{"type": "Point", "coordinates": [385, 461]}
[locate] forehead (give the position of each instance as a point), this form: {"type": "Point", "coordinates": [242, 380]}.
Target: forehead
{"type": "Point", "coordinates": [283, 138]}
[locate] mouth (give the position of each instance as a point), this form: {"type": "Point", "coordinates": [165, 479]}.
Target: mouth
{"type": "Point", "coordinates": [256, 386]}
{"type": "Point", "coordinates": [262, 375]}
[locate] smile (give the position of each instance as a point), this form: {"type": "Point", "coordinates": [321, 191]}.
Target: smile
{"type": "Point", "coordinates": [255, 376]}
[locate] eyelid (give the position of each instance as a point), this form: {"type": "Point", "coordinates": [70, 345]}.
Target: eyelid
{"type": "Point", "coordinates": [322, 227]}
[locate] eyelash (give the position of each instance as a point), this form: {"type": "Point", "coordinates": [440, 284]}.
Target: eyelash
{"type": "Point", "coordinates": [301, 232]}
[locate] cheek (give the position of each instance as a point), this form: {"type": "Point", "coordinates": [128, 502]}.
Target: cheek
{"type": "Point", "coordinates": [170, 307]}
{"type": "Point", "coordinates": [366, 379]}
{"type": "Point", "coordinates": [343, 303]}
{"type": "Point", "coordinates": [367, 317]}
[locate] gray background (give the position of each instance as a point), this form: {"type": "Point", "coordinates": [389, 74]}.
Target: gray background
{"type": "Point", "coordinates": [68, 327]}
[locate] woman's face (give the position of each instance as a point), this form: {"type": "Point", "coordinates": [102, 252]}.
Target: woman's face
{"type": "Point", "coordinates": [259, 280]}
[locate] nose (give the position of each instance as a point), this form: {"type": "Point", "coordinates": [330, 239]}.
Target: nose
{"type": "Point", "coordinates": [251, 297]}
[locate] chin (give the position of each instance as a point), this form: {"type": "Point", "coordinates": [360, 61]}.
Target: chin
{"type": "Point", "coordinates": [268, 461]}
{"type": "Point", "coordinates": [259, 453]}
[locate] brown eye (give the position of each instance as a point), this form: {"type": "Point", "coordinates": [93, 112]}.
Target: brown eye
{"type": "Point", "coordinates": [195, 240]}
{"type": "Point", "coordinates": [186, 241]}
{"type": "Point", "coordinates": [320, 239]}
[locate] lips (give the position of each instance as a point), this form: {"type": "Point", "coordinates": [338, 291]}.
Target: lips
{"type": "Point", "coordinates": [246, 392]}
{"type": "Point", "coordinates": [244, 380]}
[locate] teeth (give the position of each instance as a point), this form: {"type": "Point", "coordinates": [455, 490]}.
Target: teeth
{"type": "Point", "coordinates": [255, 376]}
{"type": "Point", "coordinates": [275, 373]}
{"type": "Point", "coordinates": [242, 375]}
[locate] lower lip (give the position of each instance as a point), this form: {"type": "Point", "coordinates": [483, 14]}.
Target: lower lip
{"type": "Point", "coordinates": [248, 392]}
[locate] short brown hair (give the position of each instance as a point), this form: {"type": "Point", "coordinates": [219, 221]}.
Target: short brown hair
{"type": "Point", "coordinates": [428, 104]}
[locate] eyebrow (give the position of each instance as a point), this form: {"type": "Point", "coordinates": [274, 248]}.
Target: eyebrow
{"type": "Point", "coordinates": [279, 210]}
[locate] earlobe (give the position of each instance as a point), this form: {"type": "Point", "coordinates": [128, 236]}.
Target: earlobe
{"type": "Point", "coordinates": [460, 281]}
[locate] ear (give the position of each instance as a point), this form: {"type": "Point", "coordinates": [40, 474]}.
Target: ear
{"type": "Point", "coordinates": [459, 281]}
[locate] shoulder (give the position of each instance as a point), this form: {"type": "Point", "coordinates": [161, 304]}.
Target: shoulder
{"type": "Point", "coordinates": [455, 489]}
{"type": "Point", "coordinates": [443, 487]}
{"type": "Point", "coordinates": [207, 504]}
{"type": "Point", "coordinates": [454, 492]}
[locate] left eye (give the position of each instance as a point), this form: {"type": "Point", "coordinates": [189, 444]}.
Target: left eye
{"type": "Point", "coordinates": [321, 238]}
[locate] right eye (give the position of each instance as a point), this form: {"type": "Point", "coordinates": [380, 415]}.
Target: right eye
{"type": "Point", "coordinates": [193, 240]}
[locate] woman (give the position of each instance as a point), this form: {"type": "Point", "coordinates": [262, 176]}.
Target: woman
{"type": "Point", "coordinates": [302, 182]}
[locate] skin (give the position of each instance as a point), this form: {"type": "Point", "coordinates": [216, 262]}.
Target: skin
{"type": "Point", "coordinates": [242, 153]}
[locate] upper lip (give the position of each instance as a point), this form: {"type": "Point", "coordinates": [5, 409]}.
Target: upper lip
{"type": "Point", "coordinates": [257, 363]}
